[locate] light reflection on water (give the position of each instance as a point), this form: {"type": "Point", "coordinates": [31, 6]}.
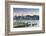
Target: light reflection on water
{"type": "Point", "coordinates": [31, 22]}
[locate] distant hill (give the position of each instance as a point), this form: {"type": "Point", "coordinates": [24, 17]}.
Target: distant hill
{"type": "Point", "coordinates": [27, 17]}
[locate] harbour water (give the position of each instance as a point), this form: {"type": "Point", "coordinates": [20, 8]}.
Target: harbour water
{"type": "Point", "coordinates": [31, 23]}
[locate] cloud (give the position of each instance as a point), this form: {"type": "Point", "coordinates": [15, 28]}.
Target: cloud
{"type": "Point", "coordinates": [25, 11]}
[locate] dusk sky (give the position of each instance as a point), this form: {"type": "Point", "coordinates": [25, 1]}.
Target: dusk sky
{"type": "Point", "coordinates": [25, 11]}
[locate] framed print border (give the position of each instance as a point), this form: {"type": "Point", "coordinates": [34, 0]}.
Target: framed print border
{"type": "Point", "coordinates": [7, 17]}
